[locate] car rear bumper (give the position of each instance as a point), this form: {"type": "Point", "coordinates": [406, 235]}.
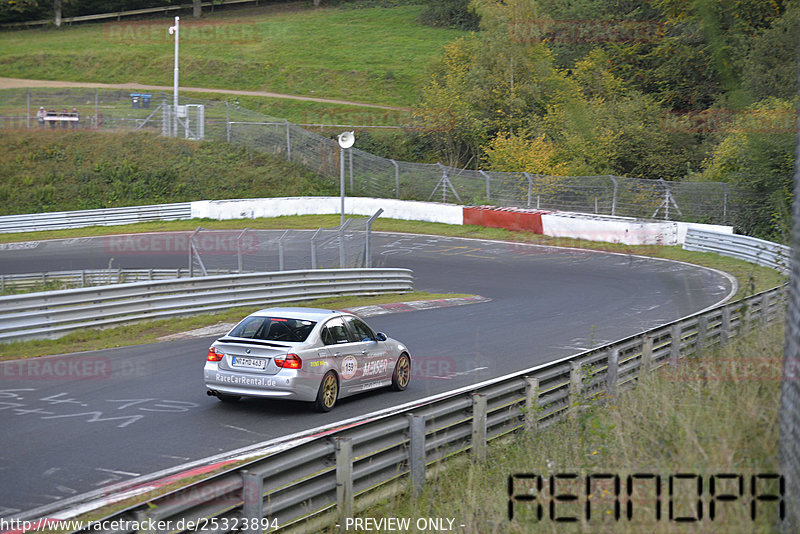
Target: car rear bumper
{"type": "Point", "coordinates": [283, 385]}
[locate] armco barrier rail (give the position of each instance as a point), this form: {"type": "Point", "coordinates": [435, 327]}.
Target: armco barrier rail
{"type": "Point", "coordinates": [54, 313]}
{"type": "Point", "coordinates": [758, 251]}
{"type": "Point", "coordinates": [84, 278]}
{"type": "Point", "coordinates": [99, 217]}
{"type": "Point", "coordinates": [311, 481]}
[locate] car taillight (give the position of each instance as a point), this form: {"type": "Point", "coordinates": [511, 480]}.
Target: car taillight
{"type": "Point", "coordinates": [290, 361]}
{"type": "Point", "coordinates": [213, 355]}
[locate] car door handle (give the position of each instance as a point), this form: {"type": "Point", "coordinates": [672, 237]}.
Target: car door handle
{"type": "Point", "coordinates": [337, 354]}
{"type": "Point", "coordinates": [363, 352]}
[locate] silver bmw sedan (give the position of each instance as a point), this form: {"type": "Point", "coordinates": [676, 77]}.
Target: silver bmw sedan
{"type": "Point", "coordinates": [304, 354]}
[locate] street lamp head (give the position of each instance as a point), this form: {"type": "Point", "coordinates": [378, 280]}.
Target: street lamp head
{"type": "Point", "coordinates": [347, 139]}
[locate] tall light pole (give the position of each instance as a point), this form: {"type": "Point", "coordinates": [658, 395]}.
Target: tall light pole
{"type": "Point", "coordinates": [174, 30]}
{"type": "Point", "coordinates": [346, 140]}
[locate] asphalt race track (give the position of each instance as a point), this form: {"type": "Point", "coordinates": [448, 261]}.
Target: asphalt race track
{"type": "Point", "coordinates": [131, 411]}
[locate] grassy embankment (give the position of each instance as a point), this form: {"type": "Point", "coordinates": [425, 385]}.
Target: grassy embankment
{"type": "Point", "coordinates": [369, 55]}
{"type": "Point", "coordinates": [711, 415]}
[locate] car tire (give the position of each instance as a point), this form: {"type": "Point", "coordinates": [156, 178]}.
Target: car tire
{"type": "Point", "coordinates": [328, 393]}
{"type": "Point", "coordinates": [402, 373]}
{"type": "Point", "coordinates": [228, 398]}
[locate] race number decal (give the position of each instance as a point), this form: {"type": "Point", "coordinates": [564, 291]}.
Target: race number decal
{"type": "Point", "coordinates": [349, 367]}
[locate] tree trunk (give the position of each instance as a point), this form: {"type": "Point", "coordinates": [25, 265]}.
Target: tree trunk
{"type": "Point", "coordinates": [57, 13]}
{"type": "Point", "coordinates": [197, 8]}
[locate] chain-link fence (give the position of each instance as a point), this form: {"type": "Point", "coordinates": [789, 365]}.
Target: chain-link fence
{"type": "Point", "coordinates": [367, 174]}
{"type": "Point", "coordinates": [248, 250]}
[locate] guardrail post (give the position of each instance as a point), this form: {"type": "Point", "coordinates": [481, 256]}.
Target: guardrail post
{"type": "Point", "coordinates": [764, 311]}
{"type": "Point", "coordinates": [396, 178]}
{"type": "Point", "coordinates": [575, 382]}
{"type": "Point", "coordinates": [144, 521]}
{"type": "Point", "coordinates": [531, 414]}
{"type": "Point", "coordinates": [725, 325]}
{"type": "Point", "coordinates": [647, 356]}
{"type": "Point", "coordinates": [702, 328]}
{"type": "Point", "coordinates": [253, 497]}
{"type": "Point", "coordinates": [344, 478]}
{"type": "Point", "coordinates": [676, 338]}
{"type": "Point", "coordinates": [416, 452]}
{"type": "Point", "coordinates": [612, 372]}
{"type": "Point", "coordinates": [479, 417]}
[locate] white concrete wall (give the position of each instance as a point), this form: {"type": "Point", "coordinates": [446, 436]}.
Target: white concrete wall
{"type": "Point", "coordinates": [623, 230]}
{"type": "Point", "coordinates": [275, 207]}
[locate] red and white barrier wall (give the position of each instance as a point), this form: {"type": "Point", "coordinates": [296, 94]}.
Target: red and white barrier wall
{"type": "Point", "coordinates": [623, 230]}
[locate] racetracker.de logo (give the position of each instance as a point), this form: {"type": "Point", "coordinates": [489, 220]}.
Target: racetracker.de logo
{"type": "Point", "coordinates": [222, 243]}
{"type": "Point", "coordinates": [584, 31]}
{"type": "Point", "coordinates": [199, 32]}
{"type": "Point", "coordinates": [82, 368]}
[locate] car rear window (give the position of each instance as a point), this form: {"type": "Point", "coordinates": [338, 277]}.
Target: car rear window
{"type": "Point", "coordinates": [273, 329]}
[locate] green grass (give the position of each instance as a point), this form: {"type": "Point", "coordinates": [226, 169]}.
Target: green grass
{"type": "Point", "coordinates": [691, 419]}
{"type": "Point", "coordinates": [374, 55]}
{"type": "Point", "coordinates": [46, 170]}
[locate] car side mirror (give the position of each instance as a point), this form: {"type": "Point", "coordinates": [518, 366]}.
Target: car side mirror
{"type": "Point", "coordinates": [380, 336]}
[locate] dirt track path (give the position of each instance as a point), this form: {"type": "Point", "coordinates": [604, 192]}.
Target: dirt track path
{"type": "Point", "coordinates": [12, 83]}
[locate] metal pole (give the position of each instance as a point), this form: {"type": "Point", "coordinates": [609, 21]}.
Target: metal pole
{"type": "Point", "coordinates": [227, 123]}
{"type": "Point", "coordinates": [174, 29]}
{"type": "Point", "coordinates": [28, 108]}
{"type": "Point", "coordinates": [614, 198]}
{"type": "Point", "coordinates": [280, 251]}
{"type": "Point", "coordinates": [253, 506]}
{"type": "Point", "coordinates": [350, 158]}
{"type": "Point", "coordinates": [479, 416]}
{"type": "Point", "coordinates": [314, 248]}
{"type": "Point", "coordinates": [342, 257]}
{"type": "Point", "coordinates": [367, 251]}
{"type": "Point", "coordinates": [488, 187]}
{"type": "Point", "coordinates": [396, 178]}
{"type": "Point", "coordinates": [288, 143]}
{"type": "Point", "coordinates": [344, 478]}
{"type": "Point", "coordinates": [341, 181]}
{"type": "Point", "coordinates": [96, 107]}
{"type": "Point", "coordinates": [416, 452]}
{"type": "Point", "coordinates": [530, 187]}
{"type": "Point", "coordinates": [239, 247]}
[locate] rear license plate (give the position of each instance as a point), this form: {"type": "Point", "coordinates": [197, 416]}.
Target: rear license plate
{"type": "Point", "coordinates": [252, 363]}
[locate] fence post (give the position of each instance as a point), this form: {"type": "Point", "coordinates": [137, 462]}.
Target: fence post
{"type": "Point", "coordinates": [288, 143]}
{"type": "Point", "coordinates": [530, 187]}
{"type": "Point", "coordinates": [344, 478]}
{"type": "Point", "coordinates": [280, 251]}
{"type": "Point", "coordinates": [702, 327]}
{"type": "Point", "coordinates": [314, 248]}
{"type": "Point", "coordinates": [614, 198]}
{"type": "Point", "coordinates": [28, 108]}
{"type": "Point", "coordinates": [367, 250]}
{"type": "Point", "coordinates": [479, 417]}
{"type": "Point", "coordinates": [725, 326]}
{"type": "Point", "coordinates": [575, 379]}
{"type": "Point", "coordinates": [488, 186]}
{"type": "Point", "coordinates": [647, 355]}
{"type": "Point", "coordinates": [342, 255]}
{"type": "Point", "coordinates": [227, 123]}
{"type": "Point", "coordinates": [416, 452]}
{"type": "Point", "coordinates": [239, 248]}
{"type": "Point", "coordinates": [764, 311]}
{"type": "Point", "coordinates": [253, 497]}
{"type": "Point", "coordinates": [676, 338]}
{"type": "Point", "coordinates": [531, 414]}
{"type": "Point", "coordinates": [612, 372]}
{"type": "Point", "coordinates": [396, 178]}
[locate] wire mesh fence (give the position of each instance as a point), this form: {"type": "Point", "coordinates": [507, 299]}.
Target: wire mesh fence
{"type": "Point", "coordinates": [367, 174]}
{"type": "Point", "coordinates": [249, 250]}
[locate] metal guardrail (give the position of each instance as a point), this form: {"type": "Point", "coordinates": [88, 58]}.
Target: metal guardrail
{"type": "Point", "coordinates": [751, 249]}
{"type": "Point", "coordinates": [53, 313]}
{"type": "Point", "coordinates": [100, 217]}
{"type": "Point", "coordinates": [84, 278]}
{"type": "Point", "coordinates": [310, 481]}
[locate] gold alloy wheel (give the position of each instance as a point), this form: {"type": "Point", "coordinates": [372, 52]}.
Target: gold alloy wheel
{"type": "Point", "coordinates": [403, 371]}
{"type": "Point", "coordinates": [330, 390]}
